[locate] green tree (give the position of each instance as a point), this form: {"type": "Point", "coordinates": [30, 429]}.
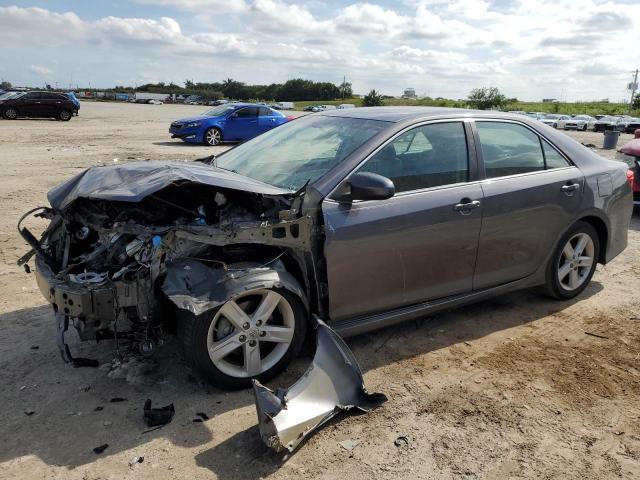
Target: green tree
{"type": "Point", "coordinates": [346, 91]}
{"type": "Point", "coordinates": [636, 102]}
{"type": "Point", "coordinates": [5, 85]}
{"type": "Point", "coordinates": [486, 98]}
{"type": "Point", "coordinates": [372, 99]}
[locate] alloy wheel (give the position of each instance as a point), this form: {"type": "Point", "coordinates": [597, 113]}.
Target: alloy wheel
{"type": "Point", "coordinates": [64, 115]}
{"type": "Point", "coordinates": [576, 261]}
{"type": "Point", "coordinates": [10, 113]}
{"type": "Point", "coordinates": [251, 333]}
{"type": "Point", "coordinates": [213, 136]}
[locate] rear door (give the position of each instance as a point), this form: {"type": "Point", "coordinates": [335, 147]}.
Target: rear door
{"type": "Point", "coordinates": [242, 124]}
{"type": "Point", "coordinates": [51, 104]}
{"type": "Point", "coordinates": [267, 119]}
{"type": "Point", "coordinates": [419, 244]}
{"type": "Point", "coordinates": [531, 194]}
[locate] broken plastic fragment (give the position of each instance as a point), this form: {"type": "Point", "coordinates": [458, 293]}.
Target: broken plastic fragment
{"type": "Point", "coordinates": [157, 416]}
{"type": "Point", "coordinates": [332, 383]}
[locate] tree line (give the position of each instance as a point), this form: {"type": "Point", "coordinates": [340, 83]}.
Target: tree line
{"type": "Point", "coordinates": [291, 90]}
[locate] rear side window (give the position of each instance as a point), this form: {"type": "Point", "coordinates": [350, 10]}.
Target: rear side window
{"type": "Point", "coordinates": [427, 156]}
{"type": "Point", "coordinates": [247, 112]}
{"type": "Point", "coordinates": [32, 96]}
{"type": "Point", "coordinates": [552, 158]}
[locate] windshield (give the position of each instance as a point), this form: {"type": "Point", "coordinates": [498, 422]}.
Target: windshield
{"type": "Point", "coordinates": [552, 117]}
{"type": "Point", "coordinates": [8, 95]}
{"type": "Point", "coordinates": [609, 119]}
{"type": "Point", "coordinates": [219, 110]}
{"type": "Point", "coordinates": [301, 150]}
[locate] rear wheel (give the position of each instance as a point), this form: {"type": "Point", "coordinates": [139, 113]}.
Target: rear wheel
{"type": "Point", "coordinates": [212, 137]}
{"type": "Point", "coordinates": [10, 113]}
{"type": "Point", "coordinates": [573, 262]}
{"type": "Point", "coordinates": [254, 335]}
{"type": "Point", "coordinates": [64, 115]}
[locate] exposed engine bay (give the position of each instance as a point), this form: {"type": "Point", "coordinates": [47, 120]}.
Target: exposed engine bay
{"type": "Point", "coordinates": [118, 255]}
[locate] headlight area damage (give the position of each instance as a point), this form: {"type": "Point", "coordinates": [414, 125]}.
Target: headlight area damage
{"type": "Point", "coordinates": [124, 238]}
{"type": "Point", "coordinates": [332, 383]}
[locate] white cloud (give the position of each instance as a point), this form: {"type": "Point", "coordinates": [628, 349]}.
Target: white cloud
{"type": "Point", "coordinates": [443, 48]}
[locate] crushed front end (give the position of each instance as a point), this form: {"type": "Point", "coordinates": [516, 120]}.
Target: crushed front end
{"type": "Point", "coordinates": [115, 234]}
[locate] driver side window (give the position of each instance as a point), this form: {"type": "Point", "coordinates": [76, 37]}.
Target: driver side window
{"type": "Point", "coordinates": [423, 157]}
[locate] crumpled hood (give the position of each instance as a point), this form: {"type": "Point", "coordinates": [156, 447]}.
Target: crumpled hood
{"type": "Point", "coordinates": [131, 182]}
{"type": "Point", "coordinates": [193, 119]}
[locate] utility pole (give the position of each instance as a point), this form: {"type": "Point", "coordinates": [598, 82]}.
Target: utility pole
{"type": "Point", "coordinates": [344, 85]}
{"type": "Point", "coordinates": [633, 87]}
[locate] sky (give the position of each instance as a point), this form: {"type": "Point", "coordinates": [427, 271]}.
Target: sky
{"type": "Point", "coordinates": [569, 50]}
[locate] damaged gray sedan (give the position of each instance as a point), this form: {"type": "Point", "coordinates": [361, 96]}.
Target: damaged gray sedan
{"type": "Point", "coordinates": [363, 217]}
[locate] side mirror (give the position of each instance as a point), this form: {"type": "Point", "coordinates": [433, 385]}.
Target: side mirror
{"type": "Point", "coordinates": [368, 186]}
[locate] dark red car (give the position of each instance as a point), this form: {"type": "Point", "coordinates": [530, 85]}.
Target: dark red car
{"type": "Point", "coordinates": [36, 104]}
{"type": "Point", "coordinates": [629, 153]}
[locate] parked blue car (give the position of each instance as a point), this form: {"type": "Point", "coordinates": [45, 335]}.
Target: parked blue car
{"type": "Point", "coordinates": [232, 122]}
{"type": "Point", "coordinates": [76, 102]}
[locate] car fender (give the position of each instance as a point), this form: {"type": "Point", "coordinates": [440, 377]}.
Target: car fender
{"type": "Point", "coordinates": [193, 286]}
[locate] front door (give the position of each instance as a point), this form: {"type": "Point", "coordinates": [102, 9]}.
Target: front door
{"type": "Point", "coordinates": [420, 244]}
{"type": "Point", "coordinates": [30, 104]}
{"type": "Point", "coordinates": [242, 124]}
{"type": "Point", "coordinates": [531, 193]}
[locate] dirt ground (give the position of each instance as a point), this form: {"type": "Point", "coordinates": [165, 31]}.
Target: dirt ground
{"type": "Point", "coordinates": [515, 387]}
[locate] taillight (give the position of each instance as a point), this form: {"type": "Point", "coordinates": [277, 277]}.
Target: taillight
{"type": "Point", "coordinates": [631, 177]}
{"type": "Point", "coordinates": [290, 117]}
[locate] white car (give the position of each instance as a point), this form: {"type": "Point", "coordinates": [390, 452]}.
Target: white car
{"type": "Point", "coordinates": [154, 102]}
{"type": "Point", "coordinates": [552, 119]}
{"type": "Point", "coordinates": [322, 108]}
{"type": "Point", "coordinates": [579, 122]}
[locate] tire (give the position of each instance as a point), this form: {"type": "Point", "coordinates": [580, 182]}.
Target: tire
{"type": "Point", "coordinates": [64, 115]}
{"type": "Point", "coordinates": [198, 334]}
{"type": "Point", "coordinates": [212, 137]}
{"type": "Point", "coordinates": [10, 113]}
{"type": "Point", "coordinates": [584, 129]}
{"type": "Point", "coordinates": [567, 276]}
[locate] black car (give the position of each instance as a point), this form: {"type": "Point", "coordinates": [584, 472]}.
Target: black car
{"type": "Point", "coordinates": [36, 104]}
{"type": "Point", "coordinates": [632, 125]}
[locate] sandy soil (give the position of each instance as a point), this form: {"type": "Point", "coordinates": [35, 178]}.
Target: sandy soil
{"type": "Point", "coordinates": [509, 388]}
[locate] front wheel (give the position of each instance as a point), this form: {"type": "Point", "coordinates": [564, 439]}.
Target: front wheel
{"type": "Point", "coordinates": [64, 115]}
{"type": "Point", "coordinates": [212, 137]}
{"type": "Point", "coordinates": [573, 262]}
{"type": "Point", "coordinates": [254, 335]}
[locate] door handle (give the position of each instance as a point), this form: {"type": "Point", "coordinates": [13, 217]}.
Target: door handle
{"type": "Point", "coordinates": [569, 188]}
{"type": "Point", "coordinates": [466, 205]}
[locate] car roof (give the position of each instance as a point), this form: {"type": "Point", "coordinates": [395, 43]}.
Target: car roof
{"type": "Point", "coordinates": [403, 114]}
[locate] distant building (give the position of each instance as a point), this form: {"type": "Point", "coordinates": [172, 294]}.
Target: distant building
{"type": "Point", "coordinates": [549, 100]}
{"type": "Point", "coordinates": [409, 93]}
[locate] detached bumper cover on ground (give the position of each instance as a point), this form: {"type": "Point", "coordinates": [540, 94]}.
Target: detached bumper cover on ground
{"type": "Point", "coordinates": [331, 384]}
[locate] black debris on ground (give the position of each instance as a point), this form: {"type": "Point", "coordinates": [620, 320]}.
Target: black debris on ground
{"type": "Point", "coordinates": [157, 416]}
{"type": "Point", "coordinates": [98, 450]}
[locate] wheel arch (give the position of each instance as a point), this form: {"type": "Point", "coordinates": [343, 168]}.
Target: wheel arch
{"type": "Point", "coordinates": [195, 287]}
{"type": "Point", "coordinates": [603, 235]}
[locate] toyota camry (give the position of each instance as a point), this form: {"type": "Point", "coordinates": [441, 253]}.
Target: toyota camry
{"type": "Point", "coordinates": [360, 217]}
